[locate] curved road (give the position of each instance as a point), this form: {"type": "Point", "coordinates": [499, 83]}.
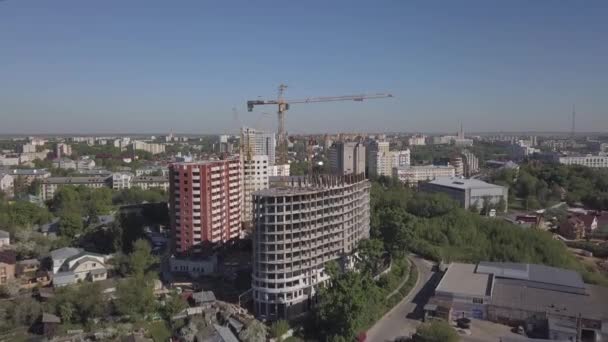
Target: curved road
{"type": "Point", "coordinates": [403, 319]}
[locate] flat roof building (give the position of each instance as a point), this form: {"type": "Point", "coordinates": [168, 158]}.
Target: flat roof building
{"type": "Point", "coordinates": [468, 192]}
{"type": "Point", "coordinates": [519, 293]}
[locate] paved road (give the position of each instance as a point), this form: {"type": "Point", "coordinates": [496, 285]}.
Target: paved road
{"type": "Point", "coordinates": [403, 319]}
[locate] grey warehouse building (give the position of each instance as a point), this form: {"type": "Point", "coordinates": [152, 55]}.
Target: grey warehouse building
{"type": "Point", "coordinates": [468, 192]}
{"type": "Point", "coordinates": [552, 300]}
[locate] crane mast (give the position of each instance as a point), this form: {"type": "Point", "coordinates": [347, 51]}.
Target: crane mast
{"type": "Point", "coordinates": [283, 106]}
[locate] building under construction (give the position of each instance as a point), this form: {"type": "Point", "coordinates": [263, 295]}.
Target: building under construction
{"type": "Point", "coordinates": [299, 226]}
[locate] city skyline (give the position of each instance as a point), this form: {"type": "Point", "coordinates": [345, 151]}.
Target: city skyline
{"type": "Point", "coordinates": [152, 67]}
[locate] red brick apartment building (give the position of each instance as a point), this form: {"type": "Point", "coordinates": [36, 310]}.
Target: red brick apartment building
{"type": "Point", "coordinates": [204, 203]}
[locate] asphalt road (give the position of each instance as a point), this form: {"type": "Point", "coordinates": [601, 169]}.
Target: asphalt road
{"type": "Point", "coordinates": [403, 319]}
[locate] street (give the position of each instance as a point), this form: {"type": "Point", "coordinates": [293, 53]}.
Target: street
{"type": "Point", "coordinates": [403, 319]}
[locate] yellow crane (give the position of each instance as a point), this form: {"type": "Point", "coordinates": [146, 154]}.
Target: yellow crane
{"type": "Point", "coordinates": [283, 106]}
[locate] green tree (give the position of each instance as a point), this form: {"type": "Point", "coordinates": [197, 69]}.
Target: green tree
{"type": "Point", "coordinates": [172, 306]}
{"type": "Point", "coordinates": [436, 331]}
{"type": "Point", "coordinates": [141, 259]}
{"type": "Point", "coordinates": [254, 332]}
{"type": "Point", "coordinates": [135, 297]}
{"type": "Point", "coordinates": [370, 253]}
{"type": "Point", "coordinates": [278, 329]}
{"type": "Point", "coordinates": [70, 224]}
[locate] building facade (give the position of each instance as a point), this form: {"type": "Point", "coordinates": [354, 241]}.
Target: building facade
{"type": "Point", "coordinates": [204, 203]}
{"type": "Point", "coordinates": [7, 184]}
{"type": "Point", "coordinates": [420, 173]}
{"type": "Point", "coordinates": [255, 177]}
{"type": "Point", "coordinates": [589, 160]}
{"type": "Point", "coordinates": [471, 163]}
{"type": "Point", "coordinates": [347, 158]}
{"type": "Point", "coordinates": [257, 143]}
{"type": "Point", "coordinates": [148, 147]}
{"type": "Point", "coordinates": [298, 229]}
{"type": "Point", "coordinates": [51, 184]}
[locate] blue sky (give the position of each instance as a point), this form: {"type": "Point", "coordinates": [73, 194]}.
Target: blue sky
{"type": "Point", "coordinates": [74, 66]}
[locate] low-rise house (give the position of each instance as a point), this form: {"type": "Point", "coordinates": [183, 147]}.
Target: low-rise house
{"type": "Point", "coordinates": [5, 238]}
{"type": "Point", "coordinates": [49, 229]}
{"type": "Point", "coordinates": [203, 298]}
{"type": "Point", "coordinates": [8, 259]}
{"type": "Point", "coordinates": [30, 274]}
{"type": "Point", "coordinates": [50, 323]}
{"type": "Point", "coordinates": [72, 265]}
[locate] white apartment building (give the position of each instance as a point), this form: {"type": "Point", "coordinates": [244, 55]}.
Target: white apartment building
{"type": "Point", "coordinates": [121, 180]}
{"type": "Point", "coordinates": [298, 229]}
{"type": "Point", "coordinates": [148, 147]}
{"type": "Point", "coordinates": [255, 177]}
{"type": "Point", "coordinates": [151, 182]}
{"type": "Point", "coordinates": [417, 140]}
{"type": "Point", "coordinates": [51, 184]}
{"type": "Point", "coordinates": [588, 160]}
{"type": "Point", "coordinates": [283, 170]}
{"type": "Point", "coordinates": [415, 174]}
{"type": "Point", "coordinates": [62, 149]}
{"type": "Point", "coordinates": [28, 148]}
{"type": "Point", "coordinates": [381, 160]}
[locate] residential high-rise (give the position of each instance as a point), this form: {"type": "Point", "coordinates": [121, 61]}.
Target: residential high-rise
{"type": "Point", "coordinates": [381, 160]}
{"type": "Point", "coordinates": [347, 158]}
{"type": "Point", "coordinates": [255, 177]}
{"type": "Point", "coordinates": [257, 143]}
{"type": "Point", "coordinates": [62, 150]}
{"type": "Point", "coordinates": [456, 161]}
{"type": "Point", "coordinates": [204, 203]}
{"type": "Point", "coordinates": [298, 229]}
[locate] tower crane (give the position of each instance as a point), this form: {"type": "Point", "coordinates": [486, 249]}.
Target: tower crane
{"type": "Point", "coordinates": [283, 106]}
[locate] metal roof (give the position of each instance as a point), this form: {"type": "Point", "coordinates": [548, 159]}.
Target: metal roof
{"type": "Point", "coordinates": [534, 273]}
{"type": "Point", "coordinates": [462, 183]}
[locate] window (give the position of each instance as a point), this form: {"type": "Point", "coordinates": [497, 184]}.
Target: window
{"type": "Point", "coordinates": [478, 300]}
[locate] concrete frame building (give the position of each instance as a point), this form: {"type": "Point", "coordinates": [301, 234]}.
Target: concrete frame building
{"type": "Point", "coordinates": [298, 229]}
{"type": "Point", "coordinates": [468, 192]}
{"type": "Point", "coordinates": [347, 158]}
{"type": "Point", "coordinates": [204, 203]}
{"type": "Point", "coordinates": [148, 147]}
{"type": "Point", "coordinates": [471, 163]}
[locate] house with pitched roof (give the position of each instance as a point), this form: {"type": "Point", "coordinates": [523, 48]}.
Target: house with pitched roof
{"type": "Point", "coordinates": [73, 265]}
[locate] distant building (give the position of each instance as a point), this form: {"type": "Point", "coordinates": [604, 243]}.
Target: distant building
{"type": "Point", "coordinates": [468, 192]}
{"type": "Point", "coordinates": [153, 148]}
{"type": "Point", "coordinates": [420, 173]}
{"type": "Point", "coordinates": [151, 182]}
{"type": "Point", "coordinates": [456, 161]}
{"type": "Point", "coordinates": [279, 170]}
{"type": "Point", "coordinates": [28, 148]}
{"type": "Point", "coordinates": [152, 170]}
{"type": "Point", "coordinates": [205, 203]}
{"type": "Point", "coordinates": [255, 177]}
{"type": "Point", "coordinates": [381, 159]}
{"type": "Point", "coordinates": [471, 163]}
{"type": "Point", "coordinates": [347, 158]}
{"type": "Point", "coordinates": [417, 140]}
{"type": "Point", "coordinates": [256, 143]}
{"type": "Point", "coordinates": [121, 180]}
{"type": "Point", "coordinates": [7, 184]}
{"type": "Point", "coordinates": [62, 149]}
{"type": "Point", "coordinates": [51, 184]}
{"type": "Point", "coordinates": [291, 246]}
{"type": "Point", "coordinates": [588, 160]}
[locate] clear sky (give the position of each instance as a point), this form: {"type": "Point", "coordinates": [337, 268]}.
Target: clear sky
{"type": "Point", "coordinates": [76, 66]}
